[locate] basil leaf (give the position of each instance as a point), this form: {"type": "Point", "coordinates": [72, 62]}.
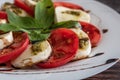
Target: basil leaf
{"type": "Point", "coordinates": [22, 22]}
{"type": "Point", "coordinates": [27, 22]}
{"type": "Point", "coordinates": [11, 17]}
{"type": "Point", "coordinates": [66, 24]}
{"type": "Point", "coordinates": [44, 13]}
{"type": "Point", "coordinates": [8, 27]}
{"type": "Point", "coordinates": [38, 36]}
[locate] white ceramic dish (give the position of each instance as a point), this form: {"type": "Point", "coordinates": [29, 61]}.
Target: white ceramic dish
{"type": "Point", "coordinates": [108, 47]}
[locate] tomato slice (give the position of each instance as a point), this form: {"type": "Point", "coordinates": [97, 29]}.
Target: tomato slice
{"type": "Point", "coordinates": [64, 43]}
{"type": "Point", "coordinates": [93, 33]}
{"type": "Point", "coordinates": [22, 5]}
{"type": "Point", "coordinates": [3, 15]}
{"type": "Point", "coordinates": [20, 43]}
{"type": "Point", "coordinates": [68, 5]}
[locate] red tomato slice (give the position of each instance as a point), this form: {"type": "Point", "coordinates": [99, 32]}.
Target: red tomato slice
{"type": "Point", "coordinates": [68, 5]}
{"type": "Point", "coordinates": [20, 43]}
{"type": "Point", "coordinates": [22, 5]}
{"type": "Point", "coordinates": [3, 15]}
{"type": "Point", "coordinates": [93, 33]}
{"type": "Point", "coordinates": [64, 43]}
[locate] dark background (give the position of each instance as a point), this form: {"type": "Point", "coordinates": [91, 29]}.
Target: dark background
{"type": "Point", "coordinates": [115, 4]}
{"type": "Point", "coordinates": [114, 72]}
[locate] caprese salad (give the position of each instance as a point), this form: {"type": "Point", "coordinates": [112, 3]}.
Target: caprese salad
{"type": "Point", "coordinates": [45, 34]}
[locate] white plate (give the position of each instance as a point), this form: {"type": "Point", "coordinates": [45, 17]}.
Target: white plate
{"type": "Point", "coordinates": [82, 69]}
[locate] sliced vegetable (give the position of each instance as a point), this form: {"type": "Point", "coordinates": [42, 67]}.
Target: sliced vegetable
{"type": "Point", "coordinates": [68, 5]}
{"type": "Point", "coordinates": [21, 4]}
{"type": "Point", "coordinates": [3, 15]}
{"type": "Point", "coordinates": [93, 33]}
{"type": "Point", "coordinates": [20, 43]}
{"type": "Point", "coordinates": [64, 43]}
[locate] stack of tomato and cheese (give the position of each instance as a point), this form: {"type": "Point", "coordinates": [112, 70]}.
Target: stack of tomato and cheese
{"type": "Point", "coordinates": [45, 33]}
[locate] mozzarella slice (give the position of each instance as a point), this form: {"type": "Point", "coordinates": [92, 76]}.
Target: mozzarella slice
{"type": "Point", "coordinates": [30, 57]}
{"type": "Point", "coordinates": [3, 21]}
{"type": "Point", "coordinates": [19, 12]}
{"type": "Point", "coordinates": [6, 39]}
{"type": "Point", "coordinates": [84, 44]}
{"type": "Point", "coordinates": [14, 9]}
{"type": "Point", "coordinates": [65, 14]}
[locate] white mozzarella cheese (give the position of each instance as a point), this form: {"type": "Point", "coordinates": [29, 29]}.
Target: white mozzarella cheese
{"type": "Point", "coordinates": [65, 14]}
{"type": "Point", "coordinates": [31, 3]}
{"type": "Point", "coordinates": [22, 12]}
{"type": "Point", "coordinates": [28, 57]}
{"type": "Point", "coordinates": [84, 44]}
{"type": "Point", "coordinates": [14, 9]}
{"type": "Point", "coordinates": [3, 21]}
{"type": "Point", "coordinates": [6, 39]}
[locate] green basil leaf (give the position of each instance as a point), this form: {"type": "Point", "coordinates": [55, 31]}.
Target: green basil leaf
{"type": "Point", "coordinates": [38, 36]}
{"type": "Point", "coordinates": [8, 27]}
{"type": "Point", "coordinates": [66, 24]}
{"type": "Point", "coordinates": [44, 13]}
{"type": "Point", "coordinates": [11, 16]}
{"type": "Point", "coordinates": [27, 23]}
{"type": "Point", "coordinates": [22, 22]}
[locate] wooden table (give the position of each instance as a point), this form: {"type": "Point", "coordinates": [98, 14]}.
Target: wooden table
{"type": "Point", "coordinates": [114, 72]}
{"type": "Point", "coordinates": [111, 74]}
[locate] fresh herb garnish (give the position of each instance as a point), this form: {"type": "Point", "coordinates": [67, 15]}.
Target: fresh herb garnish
{"type": "Point", "coordinates": [35, 35]}
{"type": "Point", "coordinates": [8, 27]}
{"type": "Point", "coordinates": [38, 28]}
{"type": "Point", "coordinates": [66, 24]}
{"type": "Point", "coordinates": [44, 13]}
{"type": "Point", "coordinates": [22, 22]}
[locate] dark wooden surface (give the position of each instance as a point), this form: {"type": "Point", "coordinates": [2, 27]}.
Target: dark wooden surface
{"type": "Point", "coordinates": [114, 72]}
{"type": "Point", "coordinates": [111, 74]}
{"type": "Point", "coordinates": [115, 4]}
